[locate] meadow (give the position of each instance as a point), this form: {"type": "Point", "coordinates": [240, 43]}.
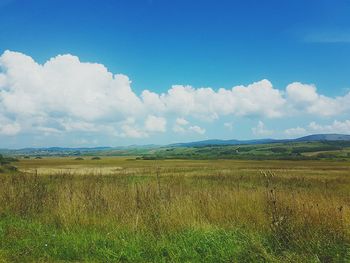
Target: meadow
{"type": "Point", "coordinates": [123, 209]}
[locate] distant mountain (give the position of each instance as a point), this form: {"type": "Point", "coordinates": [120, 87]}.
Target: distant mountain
{"type": "Point", "coordinates": [324, 137]}
{"type": "Point", "coordinates": [223, 142]}
{"type": "Point", "coordinates": [309, 138]}
{"type": "Point", "coordinates": [53, 151]}
{"type": "Point", "coordinates": [57, 149]}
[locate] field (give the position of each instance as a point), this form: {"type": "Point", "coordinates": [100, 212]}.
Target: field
{"type": "Point", "coordinates": [122, 209]}
{"type": "Point", "coordinates": [321, 150]}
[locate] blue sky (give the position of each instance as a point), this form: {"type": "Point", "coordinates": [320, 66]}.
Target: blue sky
{"type": "Point", "coordinates": [299, 49]}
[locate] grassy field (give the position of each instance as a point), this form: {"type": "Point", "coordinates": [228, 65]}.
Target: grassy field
{"type": "Point", "coordinates": [126, 210]}
{"type": "Point", "coordinates": [322, 150]}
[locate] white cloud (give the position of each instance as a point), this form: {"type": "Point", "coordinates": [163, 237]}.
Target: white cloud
{"type": "Point", "coordinates": [335, 127]}
{"type": "Point", "coordinates": [260, 130]}
{"type": "Point", "coordinates": [153, 102]}
{"type": "Point", "coordinates": [183, 126]}
{"type": "Point", "coordinates": [155, 124]}
{"type": "Point", "coordinates": [181, 121]}
{"type": "Point", "coordinates": [10, 129]}
{"type": "Point", "coordinates": [64, 95]}
{"type": "Point", "coordinates": [131, 130]}
{"type": "Point", "coordinates": [313, 127]}
{"type": "Point", "coordinates": [196, 129]}
{"type": "Point", "coordinates": [304, 98]}
{"type": "Point", "coordinates": [64, 85]}
{"type": "Point", "coordinates": [207, 104]}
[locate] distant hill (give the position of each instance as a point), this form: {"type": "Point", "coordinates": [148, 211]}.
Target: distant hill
{"type": "Point", "coordinates": [324, 137]}
{"type": "Point", "coordinates": [143, 149]}
{"type": "Point", "coordinates": [223, 142]}
{"type": "Point", "coordinates": [309, 138]}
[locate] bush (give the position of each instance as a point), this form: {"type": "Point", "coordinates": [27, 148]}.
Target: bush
{"type": "Point", "coordinates": [7, 160]}
{"type": "Point", "coordinates": [95, 158]}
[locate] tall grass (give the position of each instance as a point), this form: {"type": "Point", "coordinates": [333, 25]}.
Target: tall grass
{"type": "Point", "coordinates": [232, 213]}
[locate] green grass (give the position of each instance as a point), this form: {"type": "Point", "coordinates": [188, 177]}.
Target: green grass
{"type": "Point", "coordinates": [127, 210]}
{"type": "Point", "coordinates": [25, 240]}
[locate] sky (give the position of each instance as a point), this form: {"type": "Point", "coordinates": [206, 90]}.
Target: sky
{"type": "Point", "coordinates": [124, 72]}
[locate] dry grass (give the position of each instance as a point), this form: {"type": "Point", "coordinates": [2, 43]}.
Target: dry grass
{"type": "Point", "coordinates": [297, 206]}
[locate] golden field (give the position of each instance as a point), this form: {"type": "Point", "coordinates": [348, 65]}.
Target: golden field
{"type": "Point", "coordinates": [296, 211]}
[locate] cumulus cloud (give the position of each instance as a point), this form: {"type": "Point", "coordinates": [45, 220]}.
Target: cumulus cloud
{"type": "Point", "coordinates": [196, 129]}
{"type": "Point", "coordinates": [179, 125]}
{"type": "Point", "coordinates": [155, 124]}
{"type": "Point", "coordinates": [304, 98]}
{"type": "Point", "coordinates": [64, 85]}
{"type": "Point", "coordinates": [261, 130]}
{"type": "Point", "coordinates": [131, 130]}
{"type": "Point", "coordinates": [207, 104]}
{"type": "Point", "coordinates": [10, 129]}
{"type": "Point", "coordinates": [334, 127]}
{"type": "Point", "coordinates": [314, 127]}
{"type": "Point", "coordinates": [181, 121]}
{"type": "Point", "coordinates": [183, 126]}
{"type": "Point", "coordinates": [65, 94]}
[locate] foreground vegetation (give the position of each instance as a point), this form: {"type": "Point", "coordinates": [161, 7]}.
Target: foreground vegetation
{"type": "Point", "coordinates": [127, 210]}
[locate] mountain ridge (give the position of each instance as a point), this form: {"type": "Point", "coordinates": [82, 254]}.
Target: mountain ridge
{"type": "Point", "coordinates": [209, 142]}
{"type": "Point", "coordinates": [310, 138]}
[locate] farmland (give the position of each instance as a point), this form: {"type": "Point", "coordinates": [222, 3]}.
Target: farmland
{"type": "Point", "coordinates": [123, 209]}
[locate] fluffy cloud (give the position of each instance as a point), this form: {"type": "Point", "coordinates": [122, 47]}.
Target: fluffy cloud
{"type": "Point", "coordinates": [313, 127]}
{"type": "Point", "coordinates": [304, 98]}
{"type": "Point", "coordinates": [183, 126]}
{"type": "Point", "coordinates": [155, 124]}
{"type": "Point", "coordinates": [196, 129]}
{"type": "Point", "coordinates": [261, 130]}
{"type": "Point", "coordinates": [64, 86]}
{"type": "Point", "coordinates": [10, 129]}
{"type": "Point", "coordinates": [67, 95]}
{"type": "Point", "coordinates": [207, 104]}
{"type": "Point", "coordinates": [335, 127]}
{"type": "Point", "coordinates": [181, 121]}
{"type": "Point", "coordinates": [131, 130]}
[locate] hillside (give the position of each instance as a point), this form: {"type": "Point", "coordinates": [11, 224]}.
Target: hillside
{"type": "Point", "coordinates": [310, 138]}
